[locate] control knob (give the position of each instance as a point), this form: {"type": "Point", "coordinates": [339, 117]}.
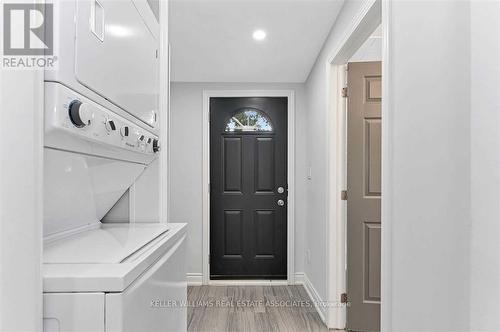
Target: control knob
{"type": "Point", "coordinates": [110, 125]}
{"type": "Point", "coordinates": [79, 114]}
{"type": "Point", "coordinates": [124, 131]}
{"type": "Point", "coordinates": [156, 145]}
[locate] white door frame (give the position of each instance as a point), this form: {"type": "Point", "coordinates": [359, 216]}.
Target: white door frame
{"type": "Point", "coordinates": [290, 94]}
{"type": "Point", "coordinates": [368, 18]}
{"type": "Point", "coordinates": [164, 111]}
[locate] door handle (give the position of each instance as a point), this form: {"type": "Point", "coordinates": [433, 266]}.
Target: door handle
{"type": "Point", "coordinates": [97, 25]}
{"type": "Point", "coordinates": [281, 202]}
{"type": "Point", "coordinates": [281, 190]}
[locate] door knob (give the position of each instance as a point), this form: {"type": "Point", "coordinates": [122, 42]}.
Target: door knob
{"type": "Point", "coordinates": [281, 190]}
{"type": "Point", "coordinates": [281, 202]}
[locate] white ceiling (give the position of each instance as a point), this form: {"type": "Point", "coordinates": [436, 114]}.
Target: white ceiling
{"type": "Point", "coordinates": [211, 40]}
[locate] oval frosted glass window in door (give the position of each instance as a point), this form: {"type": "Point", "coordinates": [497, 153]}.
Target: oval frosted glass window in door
{"type": "Point", "coordinates": [249, 120]}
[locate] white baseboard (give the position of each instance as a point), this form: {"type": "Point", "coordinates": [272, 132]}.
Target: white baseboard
{"type": "Point", "coordinates": [299, 278]}
{"type": "Point", "coordinates": [302, 279]}
{"type": "Point", "coordinates": [194, 279]}
{"type": "Point", "coordinates": [248, 282]}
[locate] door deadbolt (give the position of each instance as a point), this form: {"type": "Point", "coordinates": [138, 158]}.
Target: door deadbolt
{"type": "Point", "coordinates": [281, 202]}
{"type": "Point", "coordinates": [281, 190]}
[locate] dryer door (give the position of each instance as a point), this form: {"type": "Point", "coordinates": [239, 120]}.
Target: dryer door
{"type": "Point", "coordinates": [116, 56]}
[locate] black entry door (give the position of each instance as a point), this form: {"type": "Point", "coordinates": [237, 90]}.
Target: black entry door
{"type": "Point", "coordinates": [248, 196]}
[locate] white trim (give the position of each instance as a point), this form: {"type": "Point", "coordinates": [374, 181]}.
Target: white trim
{"type": "Point", "coordinates": [194, 279]}
{"type": "Point", "coordinates": [69, 233]}
{"type": "Point", "coordinates": [245, 282]}
{"type": "Point", "coordinates": [164, 112]}
{"type": "Point", "coordinates": [205, 190]}
{"type": "Point", "coordinates": [131, 203]}
{"type": "Point", "coordinates": [336, 208]}
{"type": "Point", "coordinates": [387, 182]}
{"type": "Point", "coordinates": [367, 19]}
{"type": "Point", "coordinates": [290, 94]}
{"type": "Point", "coordinates": [346, 48]}
{"type": "Point", "coordinates": [299, 278]}
{"type": "Point", "coordinates": [302, 279]}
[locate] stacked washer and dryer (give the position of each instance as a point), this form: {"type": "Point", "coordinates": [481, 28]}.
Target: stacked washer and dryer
{"type": "Point", "coordinates": [101, 134]}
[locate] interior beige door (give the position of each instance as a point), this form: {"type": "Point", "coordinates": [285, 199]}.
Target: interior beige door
{"type": "Point", "coordinates": [364, 195]}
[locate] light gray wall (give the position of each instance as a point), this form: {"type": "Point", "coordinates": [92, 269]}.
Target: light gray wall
{"type": "Point", "coordinates": [21, 199]}
{"type": "Point", "coordinates": [186, 162]}
{"type": "Point", "coordinates": [317, 97]}
{"type": "Point", "coordinates": [444, 156]}
{"type": "Point", "coordinates": [485, 166]}
{"type": "Point", "coordinates": [429, 147]}
{"type": "Point", "coordinates": [427, 286]}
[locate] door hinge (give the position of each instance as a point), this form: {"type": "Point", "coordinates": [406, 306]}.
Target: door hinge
{"type": "Point", "coordinates": [343, 298]}
{"type": "Point", "coordinates": [343, 195]}
{"type": "Point", "coordinates": [344, 92]}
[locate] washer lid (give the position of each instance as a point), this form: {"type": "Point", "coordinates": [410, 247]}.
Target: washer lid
{"type": "Point", "coordinates": [109, 244]}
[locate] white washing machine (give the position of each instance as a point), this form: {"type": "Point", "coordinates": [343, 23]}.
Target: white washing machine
{"type": "Point", "coordinates": [117, 277]}
{"type": "Point", "coordinates": [99, 276]}
{"type": "Point", "coordinates": [107, 50]}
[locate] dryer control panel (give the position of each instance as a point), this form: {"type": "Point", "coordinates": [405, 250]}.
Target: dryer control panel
{"type": "Point", "coordinates": [75, 123]}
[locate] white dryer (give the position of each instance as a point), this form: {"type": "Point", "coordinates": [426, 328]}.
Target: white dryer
{"type": "Point", "coordinates": [107, 50]}
{"type": "Point", "coordinates": [99, 276]}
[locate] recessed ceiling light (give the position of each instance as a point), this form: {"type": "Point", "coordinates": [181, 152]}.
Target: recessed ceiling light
{"type": "Point", "coordinates": [259, 35]}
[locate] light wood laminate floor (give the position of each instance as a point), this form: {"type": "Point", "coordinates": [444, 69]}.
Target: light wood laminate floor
{"type": "Point", "coordinates": [251, 308]}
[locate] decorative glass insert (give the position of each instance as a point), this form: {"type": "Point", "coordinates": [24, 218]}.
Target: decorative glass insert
{"type": "Point", "coordinates": [249, 120]}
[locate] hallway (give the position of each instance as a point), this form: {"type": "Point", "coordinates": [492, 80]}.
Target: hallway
{"type": "Point", "coordinates": [251, 308]}
{"type": "Point", "coordinates": [250, 165]}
